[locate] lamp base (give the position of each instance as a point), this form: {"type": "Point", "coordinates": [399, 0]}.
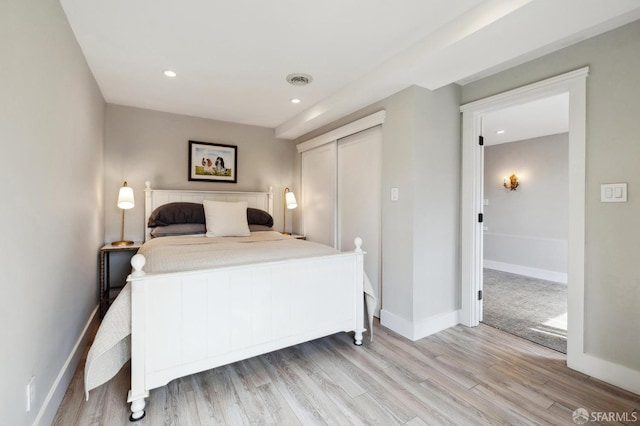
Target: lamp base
{"type": "Point", "coordinates": [122, 243]}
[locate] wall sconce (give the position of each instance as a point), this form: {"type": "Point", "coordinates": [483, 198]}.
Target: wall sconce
{"type": "Point", "coordinates": [512, 184]}
{"type": "Point", "coordinates": [125, 202]}
{"type": "Point", "coordinates": [289, 204]}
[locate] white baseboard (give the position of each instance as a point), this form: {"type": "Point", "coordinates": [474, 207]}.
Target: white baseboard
{"type": "Point", "coordinates": [527, 271]}
{"type": "Point", "coordinates": [400, 325]}
{"type": "Point", "coordinates": [423, 328]}
{"type": "Point", "coordinates": [56, 393]}
{"type": "Point", "coordinates": [436, 323]}
{"type": "Point", "coordinates": [607, 371]}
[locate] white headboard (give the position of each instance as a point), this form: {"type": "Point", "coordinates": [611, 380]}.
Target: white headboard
{"type": "Point", "coordinates": [155, 198]}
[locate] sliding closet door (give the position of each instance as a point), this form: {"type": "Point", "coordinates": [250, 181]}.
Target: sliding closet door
{"type": "Point", "coordinates": [359, 183]}
{"type": "Point", "coordinates": [319, 194]}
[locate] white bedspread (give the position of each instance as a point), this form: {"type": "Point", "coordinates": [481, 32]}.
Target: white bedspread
{"type": "Point", "coordinates": [111, 348]}
{"type": "Point", "coordinates": [172, 254]}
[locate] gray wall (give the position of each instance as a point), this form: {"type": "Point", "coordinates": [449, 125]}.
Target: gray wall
{"type": "Point", "coordinates": [437, 202]}
{"type": "Point", "coordinates": [528, 226]}
{"type": "Point", "coordinates": [612, 270]}
{"type": "Point", "coordinates": [145, 145]}
{"type": "Point", "coordinates": [51, 131]}
{"type": "Point", "coordinates": [421, 157]}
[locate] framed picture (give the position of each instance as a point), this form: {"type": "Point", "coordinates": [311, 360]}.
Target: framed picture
{"type": "Point", "coordinates": [213, 162]}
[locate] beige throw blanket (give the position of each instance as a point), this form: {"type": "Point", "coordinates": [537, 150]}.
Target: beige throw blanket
{"type": "Point", "coordinates": [111, 348]}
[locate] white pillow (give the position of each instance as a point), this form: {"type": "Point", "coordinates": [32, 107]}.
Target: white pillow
{"type": "Point", "coordinates": [225, 219]}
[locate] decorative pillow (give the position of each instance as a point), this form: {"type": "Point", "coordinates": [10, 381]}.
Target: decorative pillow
{"type": "Point", "coordinates": [259, 217]}
{"type": "Point", "coordinates": [225, 219]}
{"type": "Point", "coordinates": [174, 213]}
{"type": "Point", "coordinates": [257, 228]}
{"type": "Point", "coordinates": [179, 229]}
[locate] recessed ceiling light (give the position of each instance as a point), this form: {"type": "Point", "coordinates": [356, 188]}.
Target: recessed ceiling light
{"type": "Point", "coordinates": [500, 132]}
{"type": "Point", "coordinates": [295, 100]}
{"type": "Point", "coordinates": [170, 73]}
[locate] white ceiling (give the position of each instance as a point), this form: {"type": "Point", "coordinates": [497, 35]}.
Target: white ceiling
{"type": "Point", "coordinates": [232, 57]}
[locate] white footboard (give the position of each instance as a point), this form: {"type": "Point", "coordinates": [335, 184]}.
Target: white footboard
{"type": "Point", "coordinates": [187, 322]}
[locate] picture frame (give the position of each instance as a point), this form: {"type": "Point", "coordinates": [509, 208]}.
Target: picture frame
{"type": "Point", "coordinates": [213, 162]}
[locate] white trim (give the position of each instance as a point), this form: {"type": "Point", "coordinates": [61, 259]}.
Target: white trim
{"type": "Point", "coordinates": [58, 389]}
{"type": "Point", "coordinates": [616, 374]}
{"type": "Point", "coordinates": [435, 324]}
{"type": "Point", "coordinates": [365, 123]}
{"type": "Point", "coordinates": [573, 83]}
{"type": "Point", "coordinates": [576, 240]}
{"type": "Point", "coordinates": [527, 271]}
{"type": "Point", "coordinates": [525, 237]}
{"type": "Point", "coordinates": [423, 328]}
{"type": "Point", "coordinates": [471, 232]}
{"type": "Point", "coordinates": [400, 325]}
{"type": "Point", "coordinates": [534, 90]}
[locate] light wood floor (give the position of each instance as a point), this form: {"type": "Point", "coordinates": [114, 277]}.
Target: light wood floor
{"type": "Point", "coordinates": [461, 376]}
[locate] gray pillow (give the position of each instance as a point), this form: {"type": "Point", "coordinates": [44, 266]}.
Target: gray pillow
{"type": "Point", "coordinates": [174, 213]}
{"type": "Point", "coordinates": [256, 228]}
{"type": "Point", "coordinates": [182, 212]}
{"type": "Point", "coordinates": [179, 229]}
{"type": "Point", "coordinates": [259, 217]}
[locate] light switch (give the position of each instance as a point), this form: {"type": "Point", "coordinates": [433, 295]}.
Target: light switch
{"type": "Point", "coordinates": [395, 194]}
{"type": "Point", "coordinates": [613, 193]}
{"type": "Point", "coordinates": [608, 193]}
{"type": "Point", "coordinates": [486, 201]}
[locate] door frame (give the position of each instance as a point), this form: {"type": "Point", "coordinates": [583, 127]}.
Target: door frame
{"type": "Point", "coordinates": [573, 83]}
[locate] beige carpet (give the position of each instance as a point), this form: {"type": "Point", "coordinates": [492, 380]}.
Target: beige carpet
{"type": "Point", "coordinates": [530, 308]}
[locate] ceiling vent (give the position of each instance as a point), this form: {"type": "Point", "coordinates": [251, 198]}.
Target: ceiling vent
{"type": "Point", "coordinates": [299, 79]}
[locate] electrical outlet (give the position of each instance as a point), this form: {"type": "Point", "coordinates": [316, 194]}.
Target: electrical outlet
{"type": "Point", "coordinates": [31, 393]}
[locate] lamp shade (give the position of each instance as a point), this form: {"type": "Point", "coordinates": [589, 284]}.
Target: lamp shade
{"type": "Point", "coordinates": [290, 200]}
{"type": "Point", "coordinates": [125, 198]}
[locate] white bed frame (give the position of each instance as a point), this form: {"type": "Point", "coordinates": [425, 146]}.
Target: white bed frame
{"type": "Point", "coordinates": [186, 322]}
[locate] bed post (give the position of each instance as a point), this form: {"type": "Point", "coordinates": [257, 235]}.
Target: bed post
{"type": "Point", "coordinates": [359, 292]}
{"type": "Point", "coordinates": [138, 391]}
{"type": "Point", "coordinates": [270, 201]}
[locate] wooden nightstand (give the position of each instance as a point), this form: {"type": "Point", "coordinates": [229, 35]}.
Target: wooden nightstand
{"type": "Point", "coordinates": [105, 290]}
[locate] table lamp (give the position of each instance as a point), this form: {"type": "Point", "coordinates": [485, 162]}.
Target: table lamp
{"type": "Point", "coordinates": [125, 202]}
{"type": "Point", "coordinates": [289, 203]}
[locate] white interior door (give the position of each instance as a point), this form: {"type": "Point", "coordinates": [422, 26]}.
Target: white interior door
{"type": "Point", "coordinates": [359, 183]}
{"type": "Point", "coordinates": [319, 194]}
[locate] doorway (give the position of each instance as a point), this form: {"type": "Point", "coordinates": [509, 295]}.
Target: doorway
{"type": "Point", "coordinates": [525, 228]}
{"type": "Point", "coordinates": [574, 84]}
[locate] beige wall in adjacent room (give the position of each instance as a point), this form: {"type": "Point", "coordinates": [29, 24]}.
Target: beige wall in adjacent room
{"type": "Point", "coordinates": [612, 270]}
{"type": "Point", "coordinates": [528, 226]}
{"type": "Point", "coordinates": [143, 145]}
{"type": "Point", "coordinates": [51, 131]}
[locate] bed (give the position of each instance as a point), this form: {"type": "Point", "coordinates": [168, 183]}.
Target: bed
{"type": "Point", "coordinates": [190, 305]}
